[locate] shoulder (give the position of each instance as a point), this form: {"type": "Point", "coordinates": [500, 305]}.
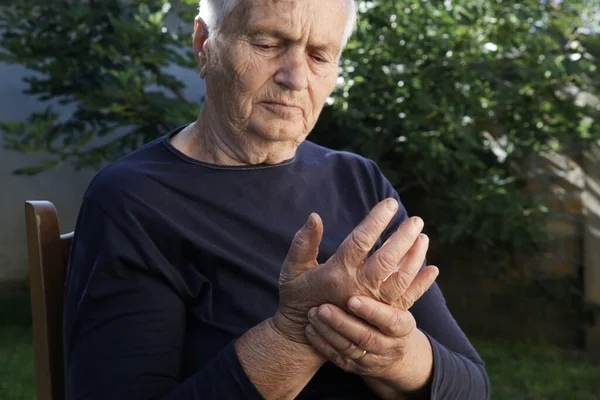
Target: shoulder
{"type": "Point", "coordinates": [310, 152]}
{"type": "Point", "coordinates": [124, 182]}
{"type": "Point", "coordinates": [348, 167]}
{"type": "Point", "coordinates": [357, 177]}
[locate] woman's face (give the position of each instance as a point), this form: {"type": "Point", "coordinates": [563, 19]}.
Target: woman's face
{"type": "Point", "coordinates": [273, 64]}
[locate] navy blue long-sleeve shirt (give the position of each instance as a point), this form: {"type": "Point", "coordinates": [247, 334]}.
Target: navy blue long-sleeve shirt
{"type": "Point", "coordinates": [174, 259]}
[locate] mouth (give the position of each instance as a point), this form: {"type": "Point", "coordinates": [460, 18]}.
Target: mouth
{"type": "Point", "coordinates": [282, 106]}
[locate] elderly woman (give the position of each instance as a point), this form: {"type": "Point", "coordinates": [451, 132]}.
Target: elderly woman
{"type": "Point", "coordinates": [233, 259]}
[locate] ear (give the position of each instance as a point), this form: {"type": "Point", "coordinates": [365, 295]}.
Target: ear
{"type": "Point", "coordinates": [200, 36]}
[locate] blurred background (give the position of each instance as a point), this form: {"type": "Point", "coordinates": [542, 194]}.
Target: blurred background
{"type": "Point", "coordinates": [483, 114]}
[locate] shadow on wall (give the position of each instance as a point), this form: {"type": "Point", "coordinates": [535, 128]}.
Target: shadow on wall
{"type": "Point", "coordinates": [591, 276]}
{"type": "Point", "coordinates": [64, 186]}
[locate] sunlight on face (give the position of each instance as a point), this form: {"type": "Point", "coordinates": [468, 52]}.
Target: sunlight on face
{"type": "Point", "coordinates": [274, 64]}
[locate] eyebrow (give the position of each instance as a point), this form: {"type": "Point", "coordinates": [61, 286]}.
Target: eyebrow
{"type": "Point", "coordinates": [277, 33]}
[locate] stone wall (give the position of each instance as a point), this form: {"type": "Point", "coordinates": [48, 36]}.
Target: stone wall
{"type": "Point", "coordinates": [558, 181]}
{"type": "Point", "coordinates": [534, 299]}
{"type": "Point", "coordinates": [591, 273]}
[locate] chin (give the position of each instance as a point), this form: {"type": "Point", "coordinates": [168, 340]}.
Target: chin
{"type": "Point", "coordinates": [278, 130]}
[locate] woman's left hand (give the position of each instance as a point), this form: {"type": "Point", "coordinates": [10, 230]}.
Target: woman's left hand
{"type": "Point", "coordinates": [373, 342]}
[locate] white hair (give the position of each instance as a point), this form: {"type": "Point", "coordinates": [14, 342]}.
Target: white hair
{"type": "Point", "coordinates": [213, 12]}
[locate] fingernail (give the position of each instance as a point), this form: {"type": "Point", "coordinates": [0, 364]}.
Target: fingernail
{"type": "Point", "coordinates": [423, 237]}
{"type": "Point", "coordinates": [354, 303]}
{"type": "Point", "coordinates": [313, 312]}
{"type": "Point", "coordinates": [325, 313]}
{"type": "Point", "coordinates": [392, 204]}
{"type": "Point", "coordinates": [311, 224]}
{"type": "Point", "coordinates": [418, 222]}
{"type": "Point", "coordinates": [310, 330]}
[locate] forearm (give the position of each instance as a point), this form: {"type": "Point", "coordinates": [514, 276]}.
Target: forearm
{"type": "Point", "coordinates": [277, 366]}
{"type": "Point", "coordinates": [456, 376]}
{"type": "Point", "coordinates": [412, 378]}
{"type": "Point", "coordinates": [453, 377]}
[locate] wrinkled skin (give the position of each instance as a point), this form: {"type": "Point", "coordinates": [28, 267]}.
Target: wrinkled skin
{"type": "Point", "coordinates": [269, 71]}
{"type": "Point", "coordinates": [391, 275]}
{"type": "Point", "coordinates": [266, 52]}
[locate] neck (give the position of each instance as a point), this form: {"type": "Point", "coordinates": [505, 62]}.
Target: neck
{"type": "Point", "coordinates": [210, 140]}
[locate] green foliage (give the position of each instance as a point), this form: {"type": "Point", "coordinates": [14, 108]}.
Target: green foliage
{"type": "Point", "coordinates": [450, 98]}
{"type": "Point", "coordinates": [106, 59]}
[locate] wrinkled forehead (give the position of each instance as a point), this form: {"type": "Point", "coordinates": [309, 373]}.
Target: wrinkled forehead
{"type": "Point", "coordinates": [322, 20]}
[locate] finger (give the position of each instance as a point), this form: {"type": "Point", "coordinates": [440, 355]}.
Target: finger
{"type": "Point", "coordinates": [355, 330]}
{"type": "Point", "coordinates": [304, 249]}
{"type": "Point", "coordinates": [399, 281]}
{"type": "Point", "coordinates": [330, 352]}
{"type": "Point", "coordinates": [417, 288]}
{"type": "Point", "coordinates": [385, 261]}
{"type": "Point", "coordinates": [341, 344]}
{"type": "Point", "coordinates": [389, 320]}
{"type": "Point", "coordinates": [355, 248]}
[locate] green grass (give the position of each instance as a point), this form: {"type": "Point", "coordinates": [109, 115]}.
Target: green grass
{"type": "Point", "coordinates": [518, 371]}
{"type": "Point", "coordinates": [16, 352]}
{"type": "Point", "coordinates": [533, 371]}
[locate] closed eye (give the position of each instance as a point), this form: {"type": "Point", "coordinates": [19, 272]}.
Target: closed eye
{"type": "Point", "coordinates": [265, 46]}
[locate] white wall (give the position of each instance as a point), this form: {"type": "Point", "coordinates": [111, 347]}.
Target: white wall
{"type": "Point", "coordinates": [64, 186]}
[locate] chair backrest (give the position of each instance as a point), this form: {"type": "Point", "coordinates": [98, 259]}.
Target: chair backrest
{"type": "Point", "coordinates": [48, 260]}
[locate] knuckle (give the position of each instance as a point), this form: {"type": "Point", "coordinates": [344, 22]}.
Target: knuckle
{"type": "Point", "coordinates": [349, 350]}
{"type": "Point", "coordinates": [406, 323]}
{"type": "Point", "coordinates": [403, 304]}
{"type": "Point", "coordinates": [340, 325]}
{"type": "Point", "coordinates": [372, 313]}
{"type": "Point", "coordinates": [387, 259]}
{"type": "Point", "coordinates": [361, 240]}
{"type": "Point", "coordinates": [339, 359]}
{"type": "Point", "coordinates": [387, 295]}
{"type": "Point", "coordinates": [402, 280]}
{"type": "Point", "coordinates": [363, 283]}
{"type": "Point", "coordinates": [415, 292]}
{"type": "Point", "coordinates": [299, 239]}
{"type": "Point", "coordinates": [411, 297]}
{"type": "Point", "coordinates": [408, 237]}
{"type": "Point", "coordinates": [330, 278]}
{"type": "Point", "coordinates": [380, 220]}
{"type": "Point", "coordinates": [394, 321]}
{"type": "Point", "coordinates": [410, 324]}
{"type": "Point", "coordinates": [368, 340]}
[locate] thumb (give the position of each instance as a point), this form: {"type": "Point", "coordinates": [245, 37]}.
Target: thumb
{"type": "Point", "coordinates": [304, 249]}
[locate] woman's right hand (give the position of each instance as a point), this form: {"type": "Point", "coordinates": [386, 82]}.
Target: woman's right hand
{"type": "Point", "coordinates": [305, 284]}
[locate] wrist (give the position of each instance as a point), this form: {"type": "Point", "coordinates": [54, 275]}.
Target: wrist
{"type": "Point", "coordinates": [412, 375]}
{"type": "Point", "coordinates": [293, 337]}
{"type": "Point", "coordinates": [288, 328]}
{"type": "Point", "coordinates": [278, 366]}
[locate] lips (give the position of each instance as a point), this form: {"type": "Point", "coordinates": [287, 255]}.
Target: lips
{"type": "Point", "coordinates": [283, 104]}
{"type": "Point", "coordinates": [283, 108]}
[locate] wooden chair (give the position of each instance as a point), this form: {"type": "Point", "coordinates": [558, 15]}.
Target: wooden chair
{"type": "Point", "coordinates": [48, 260]}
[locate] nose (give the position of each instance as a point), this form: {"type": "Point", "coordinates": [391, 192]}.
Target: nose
{"type": "Point", "coordinates": [293, 71]}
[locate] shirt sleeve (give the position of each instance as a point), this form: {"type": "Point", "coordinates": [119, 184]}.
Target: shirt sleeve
{"type": "Point", "coordinates": [125, 321]}
{"type": "Point", "coordinates": [458, 371]}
